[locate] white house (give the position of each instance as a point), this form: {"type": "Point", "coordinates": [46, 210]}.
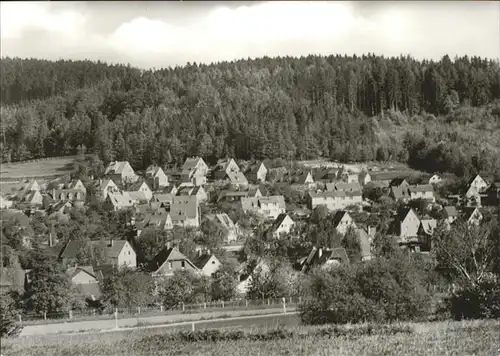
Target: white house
{"type": "Point", "coordinates": [207, 264]}
{"type": "Point", "coordinates": [478, 183]}
{"type": "Point", "coordinates": [343, 221]}
{"type": "Point", "coordinates": [156, 177]}
{"type": "Point", "coordinates": [435, 179]}
{"type": "Point", "coordinates": [121, 171]}
{"type": "Point", "coordinates": [282, 225]}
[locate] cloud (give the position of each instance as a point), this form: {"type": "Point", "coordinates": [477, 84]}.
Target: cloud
{"type": "Point", "coordinates": [162, 34]}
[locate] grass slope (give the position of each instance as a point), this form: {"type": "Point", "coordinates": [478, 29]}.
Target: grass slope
{"type": "Point", "coordinates": [46, 168]}
{"type": "Point", "coordinates": [479, 338]}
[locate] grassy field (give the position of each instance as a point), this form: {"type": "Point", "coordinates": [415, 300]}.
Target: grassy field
{"type": "Point", "coordinates": [479, 338]}
{"type": "Point", "coordinates": [41, 168]}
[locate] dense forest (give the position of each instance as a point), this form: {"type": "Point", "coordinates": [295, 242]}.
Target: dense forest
{"type": "Point", "coordinates": [437, 116]}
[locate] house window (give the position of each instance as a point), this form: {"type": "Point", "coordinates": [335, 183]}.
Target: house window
{"type": "Point", "coordinates": [170, 265]}
{"type": "Point", "coordinates": [183, 264]}
{"type": "Point", "coordinates": [213, 262]}
{"type": "Point", "coordinates": [129, 253]}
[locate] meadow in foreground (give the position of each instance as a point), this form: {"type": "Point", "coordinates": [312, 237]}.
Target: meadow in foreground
{"type": "Point", "coordinates": [478, 338]}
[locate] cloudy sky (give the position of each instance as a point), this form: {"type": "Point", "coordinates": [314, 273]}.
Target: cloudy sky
{"type": "Point", "coordinates": [159, 34]}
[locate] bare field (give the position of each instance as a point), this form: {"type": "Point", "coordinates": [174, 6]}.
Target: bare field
{"type": "Point", "coordinates": [479, 338]}
{"type": "Point", "coordinates": [36, 169]}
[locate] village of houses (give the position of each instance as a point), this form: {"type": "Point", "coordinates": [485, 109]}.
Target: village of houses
{"type": "Point", "coordinates": [175, 199]}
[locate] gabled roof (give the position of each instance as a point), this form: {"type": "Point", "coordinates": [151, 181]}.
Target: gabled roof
{"type": "Point", "coordinates": [32, 185]}
{"type": "Point", "coordinates": [278, 221]}
{"type": "Point", "coordinates": [364, 242]}
{"type": "Point", "coordinates": [254, 168]}
{"type": "Point", "coordinates": [73, 184]}
{"type": "Point", "coordinates": [396, 182]}
{"type": "Point", "coordinates": [166, 255]}
{"type": "Point", "coordinates": [403, 212]}
{"type": "Point", "coordinates": [73, 271]}
{"type": "Point", "coordinates": [163, 197]}
{"type": "Point", "coordinates": [326, 255]}
{"type": "Point", "coordinates": [272, 199]}
{"type": "Point", "coordinates": [105, 182]}
{"type": "Point", "coordinates": [138, 196]}
{"type": "Point", "coordinates": [339, 215]}
{"type": "Point", "coordinates": [400, 192]}
{"type": "Point", "coordinates": [71, 249]}
{"type": "Point", "coordinates": [116, 167]}
{"type": "Point", "coordinates": [450, 211]}
{"type": "Point", "coordinates": [134, 187]}
{"type": "Point", "coordinates": [202, 260]}
{"type": "Point", "coordinates": [223, 219]}
{"type": "Point", "coordinates": [301, 177]}
{"type": "Point", "coordinates": [474, 178]}
{"type": "Point", "coordinates": [122, 199]}
{"type": "Point", "coordinates": [335, 194]}
{"type": "Point", "coordinates": [191, 163]}
{"type": "Point", "coordinates": [111, 250]}
{"type": "Point", "coordinates": [237, 177]}
{"type": "Point", "coordinates": [183, 207]}
{"type": "Point", "coordinates": [152, 170]}
{"type": "Point", "coordinates": [421, 188]}
{"type": "Point", "coordinates": [342, 186]}
{"type": "Point", "coordinates": [469, 211]}
{"type": "Point", "coordinates": [428, 225]}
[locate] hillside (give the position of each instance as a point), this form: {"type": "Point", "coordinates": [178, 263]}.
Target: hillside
{"type": "Point", "coordinates": [434, 115]}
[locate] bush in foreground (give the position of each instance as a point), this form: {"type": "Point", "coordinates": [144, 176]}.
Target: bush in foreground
{"type": "Point", "coordinates": [376, 291]}
{"type": "Point", "coordinates": [476, 301]}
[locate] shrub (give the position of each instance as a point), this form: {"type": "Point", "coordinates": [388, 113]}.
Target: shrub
{"type": "Point", "coordinates": [378, 291]}
{"type": "Point", "coordinates": [479, 301]}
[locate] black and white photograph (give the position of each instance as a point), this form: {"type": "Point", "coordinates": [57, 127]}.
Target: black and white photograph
{"type": "Point", "coordinates": [240, 178]}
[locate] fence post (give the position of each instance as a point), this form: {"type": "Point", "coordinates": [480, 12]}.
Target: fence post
{"type": "Point", "coordinates": [300, 299]}
{"type": "Point", "coordinates": [183, 306]}
{"type": "Point", "coordinates": [116, 318]}
{"type": "Point", "coordinates": [192, 326]}
{"type": "Point", "coordinates": [161, 308]}
{"type": "Point", "coordinates": [268, 301]}
{"type": "Point", "coordinates": [20, 318]}
{"type": "Point", "coordinates": [246, 303]}
{"type": "Point", "coordinates": [138, 310]}
{"type": "Point", "coordinates": [284, 305]}
{"type": "Point", "coordinates": [222, 304]}
{"type": "Point", "coordinates": [205, 305]}
{"type": "Point", "coordinates": [44, 315]}
{"type": "Point", "coordinates": [291, 300]}
{"type": "Point", "coordinates": [71, 314]}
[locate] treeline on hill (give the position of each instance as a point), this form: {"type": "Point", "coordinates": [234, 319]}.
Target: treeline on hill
{"type": "Point", "coordinates": [443, 114]}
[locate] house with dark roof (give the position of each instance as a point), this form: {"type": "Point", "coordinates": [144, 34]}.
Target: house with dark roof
{"type": "Point", "coordinates": [385, 177]}
{"type": "Point", "coordinates": [156, 177]}
{"type": "Point", "coordinates": [33, 198]}
{"type": "Point", "coordinates": [32, 186]}
{"type": "Point", "coordinates": [140, 191]}
{"type": "Point", "coordinates": [478, 183]}
{"type": "Point", "coordinates": [493, 194]}
{"type": "Point", "coordinates": [194, 171]}
{"type": "Point", "coordinates": [343, 222]}
{"type": "Point", "coordinates": [323, 258]}
{"type": "Point", "coordinates": [207, 264]}
{"type": "Point", "coordinates": [406, 225]}
{"type": "Point", "coordinates": [190, 190]}
{"type": "Point", "coordinates": [159, 221]}
{"type": "Point", "coordinates": [472, 215]}
{"type": "Point", "coordinates": [121, 171]}
{"type": "Point", "coordinates": [185, 211]}
{"type": "Point", "coordinates": [343, 187]}
{"type": "Point", "coordinates": [115, 252]}
{"type": "Point", "coordinates": [450, 213]}
{"type": "Point", "coordinates": [230, 229]}
{"type": "Point", "coordinates": [256, 173]}
{"type": "Point", "coordinates": [425, 233]}
{"type": "Point", "coordinates": [366, 236]}
{"type": "Point", "coordinates": [364, 178]}
{"type": "Point", "coordinates": [282, 225]}
{"type": "Point", "coordinates": [303, 178]}
{"type": "Point", "coordinates": [105, 186]}
{"type": "Point", "coordinates": [169, 260]}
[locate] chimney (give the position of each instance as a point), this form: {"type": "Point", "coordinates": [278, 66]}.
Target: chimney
{"type": "Point", "coordinates": [168, 245]}
{"type": "Point", "coordinates": [50, 239]}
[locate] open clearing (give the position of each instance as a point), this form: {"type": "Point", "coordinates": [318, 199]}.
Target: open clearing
{"type": "Point", "coordinates": [51, 167]}
{"type": "Point", "coordinates": [479, 338]}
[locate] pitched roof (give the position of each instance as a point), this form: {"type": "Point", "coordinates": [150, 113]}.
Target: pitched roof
{"type": "Point", "coordinates": [190, 164]}
{"type": "Point", "coordinates": [342, 186]}
{"type": "Point", "coordinates": [152, 170]}
{"type": "Point", "coordinates": [364, 242]}
{"type": "Point", "coordinates": [400, 192]}
{"type": "Point", "coordinates": [183, 207]}
{"type": "Point", "coordinates": [428, 225]}
{"type": "Point", "coordinates": [123, 199]}
{"type": "Point", "coordinates": [273, 199]}
{"type": "Point", "coordinates": [389, 175]}
{"type": "Point", "coordinates": [168, 254]}
{"type": "Point", "coordinates": [335, 194]}
{"type": "Point", "coordinates": [339, 215]}
{"type": "Point", "coordinates": [420, 188]}
{"type": "Point", "coordinates": [116, 167]}
{"type": "Point", "coordinates": [450, 211]}
{"type": "Point", "coordinates": [223, 219]}
{"type": "Point", "coordinates": [403, 212]}
{"type": "Point", "coordinates": [134, 187]}
{"type": "Point", "coordinates": [396, 182]}
{"type": "Point", "coordinates": [237, 177]}
{"type": "Point", "coordinates": [163, 197]}
{"type": "Point", "coordinates": [112, 249]}
{"type": "Point", "coordinates": [469, 211]}
{"type": "Point", "coordinates": [138, 196]}
{"type": "Point", "coordinates": [73, 271]}
{"type": "Point", "coordinates": [71, 249]}
{"type": "Point", "coordinates": [202, 260]}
